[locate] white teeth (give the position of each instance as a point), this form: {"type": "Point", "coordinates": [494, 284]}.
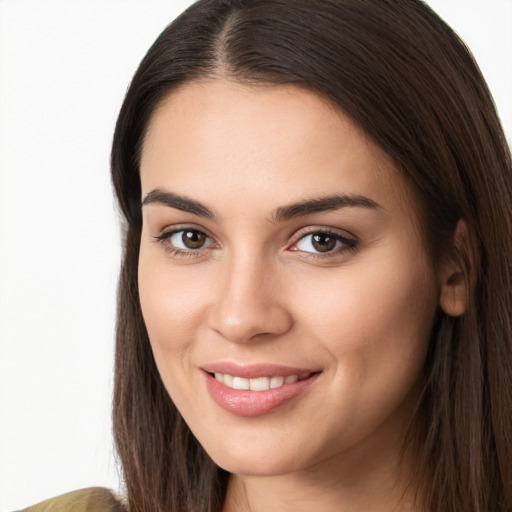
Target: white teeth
{"type": "Point", "coordinates": [240, 383]}
{"type": "Point", "coordinates": [276, 382]}
{"type": "Point", "coordinates": [291, 379]}
{"type": "Point", "coordinates": [259, 383]}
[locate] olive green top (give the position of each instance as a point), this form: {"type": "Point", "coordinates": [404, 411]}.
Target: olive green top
{"type": "Point", "coordinates": [93, 499]}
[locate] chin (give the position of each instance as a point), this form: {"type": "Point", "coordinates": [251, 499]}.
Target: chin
{"type": "Point", "coordinates": [251, 468]}
{"type": "Point", "coordinates": [258, 461]}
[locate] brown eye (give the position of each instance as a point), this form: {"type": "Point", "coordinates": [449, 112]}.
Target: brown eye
{"type": "Point", "coordinates": [193, 239]}
{"type": "Point", "coordinates": [323, 242]}
{"type": "Point", "coordinates": [186, 240]}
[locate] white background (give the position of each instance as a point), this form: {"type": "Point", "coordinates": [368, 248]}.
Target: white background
{"type": "Point", "coordinates": [64, 68]}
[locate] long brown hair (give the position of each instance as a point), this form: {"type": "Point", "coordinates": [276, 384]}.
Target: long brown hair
{"type": "Point", "coordinates": [403, 76]}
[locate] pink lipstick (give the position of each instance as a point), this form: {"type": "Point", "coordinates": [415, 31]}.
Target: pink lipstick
{"type": "Point", "coordinates": [254, 390]}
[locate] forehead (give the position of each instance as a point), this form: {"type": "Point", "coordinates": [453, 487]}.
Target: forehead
{"type": "Point", "coordinates": [216, 140]}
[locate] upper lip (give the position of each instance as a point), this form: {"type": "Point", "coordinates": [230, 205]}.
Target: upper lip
{"type": "Point", "coordinates": [253, 371]}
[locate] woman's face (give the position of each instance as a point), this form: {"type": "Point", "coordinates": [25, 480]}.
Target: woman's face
{"type": "Point", "coordinates": [281, 252]}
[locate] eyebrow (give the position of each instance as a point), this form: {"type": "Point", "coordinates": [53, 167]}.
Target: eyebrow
{"type": "Point", "coordinates": [283, 213]}
{"type": "Point", "coordinates": [324, 204]}
{"type": "Point", "coordinates": [159, 196]}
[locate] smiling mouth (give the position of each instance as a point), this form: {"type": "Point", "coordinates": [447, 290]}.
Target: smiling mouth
{"type": "Point", "coordinates": [262, 390]}
{"type": "Point", "coordinates": [258, 383]}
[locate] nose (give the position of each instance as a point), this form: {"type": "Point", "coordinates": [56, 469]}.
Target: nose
{"type": "Point", "coordinates": [248, 303]}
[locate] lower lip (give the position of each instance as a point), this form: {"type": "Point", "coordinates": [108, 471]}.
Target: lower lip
{"type": "Point", "coordinates": [248, 403]}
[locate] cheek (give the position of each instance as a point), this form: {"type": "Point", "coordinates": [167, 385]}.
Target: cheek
{"type": "Point", "coordinates": [375, 323]}
{"type": "Point", "coordinates": [376, 327]}
{"type": "Point", "coordinates": [171, 307]}
{"type": "Point", "coordinates": [387, 295]}
{"type": "Point", "coordinates": [171, 310]}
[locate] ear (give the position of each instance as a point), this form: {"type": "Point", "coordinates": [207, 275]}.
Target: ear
{"type": "Point", "coordinates": [455, 284]}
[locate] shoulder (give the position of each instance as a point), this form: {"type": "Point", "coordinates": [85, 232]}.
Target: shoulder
{"type": "Point", "coordinates": [93, 499]}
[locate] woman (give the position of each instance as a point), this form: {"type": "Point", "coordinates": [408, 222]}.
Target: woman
{"type": "Point", "coordinates": [315, 297]}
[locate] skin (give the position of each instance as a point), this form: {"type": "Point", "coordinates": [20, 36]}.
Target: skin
{"type": "Point", "coordinates": [258, 291]}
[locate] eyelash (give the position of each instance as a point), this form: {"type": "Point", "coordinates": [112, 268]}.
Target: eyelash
{"type": "Point", "coordinates": [348, 244]}
{"type": "Point", "coordinates": [164, 239]}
